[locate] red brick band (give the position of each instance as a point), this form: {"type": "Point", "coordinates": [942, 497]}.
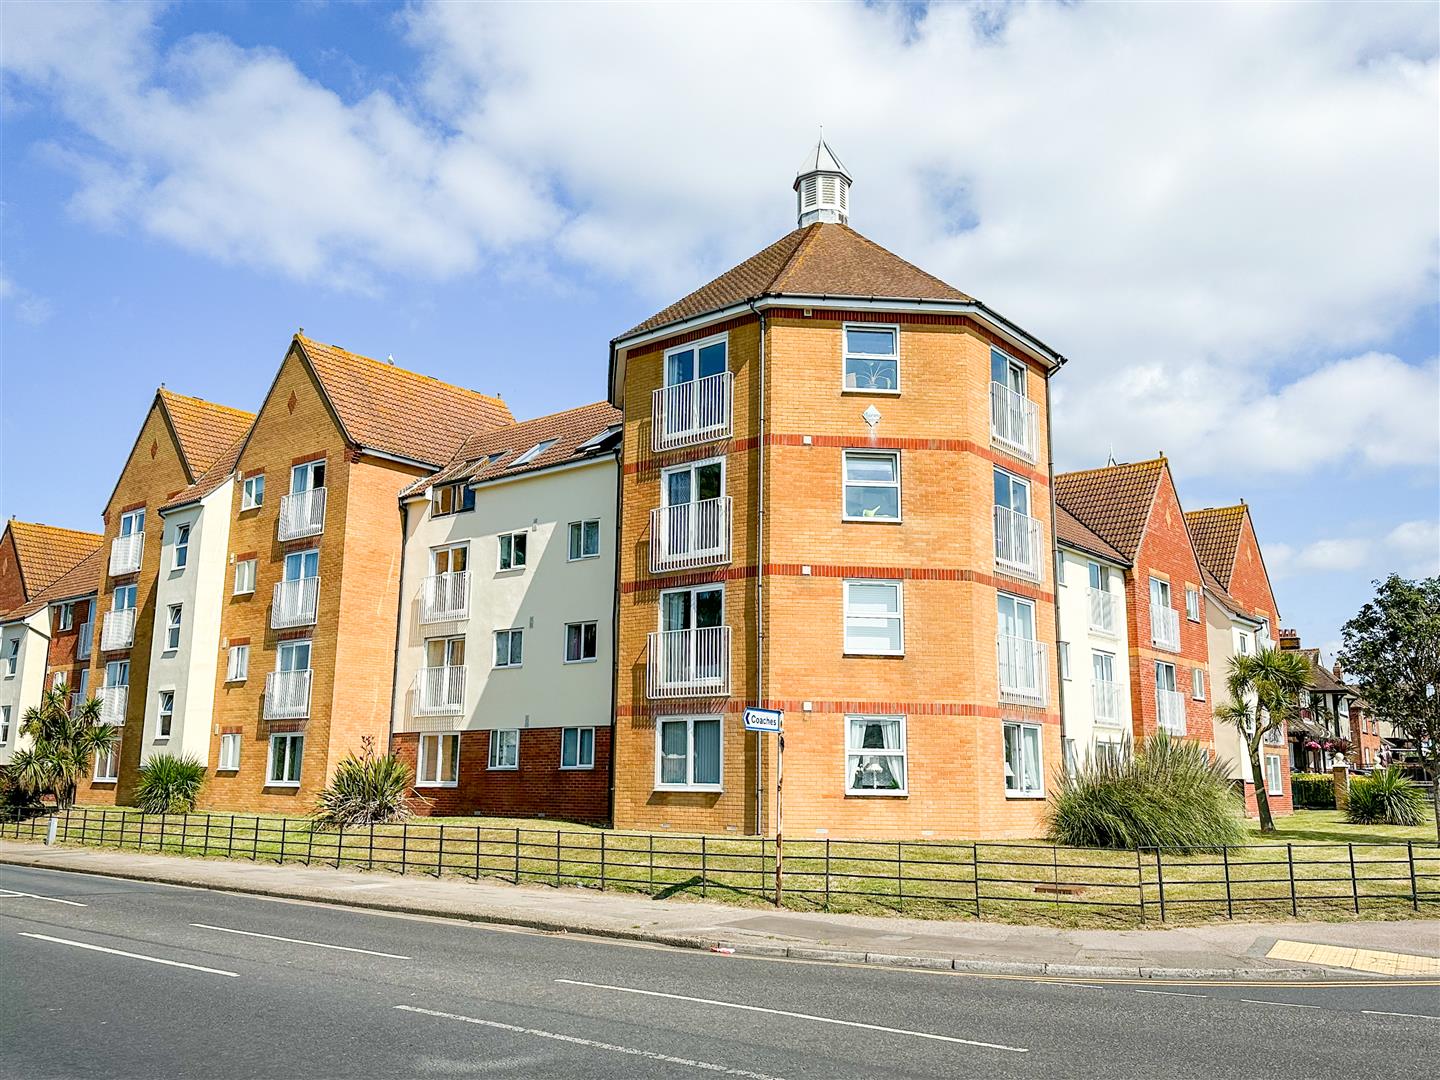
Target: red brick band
{"type": "Point", "coordinates": [887, 573]}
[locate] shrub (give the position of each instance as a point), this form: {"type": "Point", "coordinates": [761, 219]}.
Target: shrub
{"type": "Point", "coordinates": [1387, 797]}
{"type": "Point", "coordinates": [169, 784]}
{"type": "Point", "coordinates": [366, 790]}
{"type": "Point", "coordinates": [1168, 793]}
{"type": "Point", "coordinates": [1312, 791]}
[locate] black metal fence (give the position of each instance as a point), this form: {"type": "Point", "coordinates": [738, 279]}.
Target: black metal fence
{"type": "Point", "coordinates": [1004, 881]}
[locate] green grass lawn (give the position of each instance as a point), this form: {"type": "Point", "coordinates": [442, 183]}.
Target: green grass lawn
{"type": "Point", "coordinates": [1330, 827]}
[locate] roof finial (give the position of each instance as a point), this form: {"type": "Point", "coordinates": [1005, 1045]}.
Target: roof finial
{"type": "Point", "coordinates": [822, 187]}
{"type": "Point", "coordinates": [1110, 458]}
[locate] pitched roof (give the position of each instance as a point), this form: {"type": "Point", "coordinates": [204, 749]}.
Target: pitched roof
{"type": "Point", "coordinates": [204, 429]}
{"type": "Point", "coordinates": [576, 438]}
{"type": "Point", "coordinates": [1222, 595]}
{"type": "Point", "coordinates": [821, 159]}
{"type": "Point", "coordinates": [82, 579]}
{"type": "Point", "coordinates": [386, 408]}
{"type": "Point", "coordinates": [1072, 532]}
{"type": "Point", "coordinates": [211, 478]}
{"type": "Point", "coordinates": [823, 259]}
{"type": "Point", "coordinates": [1215, 532]}
{"type": "Point", "coordinates": [45, 552]}
{"type": "Point", "coordinates": [1113, 501]}
{"type": "Point", "coordinates": [1322, 679]}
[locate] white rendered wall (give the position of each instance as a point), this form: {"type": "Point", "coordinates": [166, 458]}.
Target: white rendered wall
{"type": "Point", "coordinates": [1076, 693]}
{"type": "Point", "coordinates": [22, 690]}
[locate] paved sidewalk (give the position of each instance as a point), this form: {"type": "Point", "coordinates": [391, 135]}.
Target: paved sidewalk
{"type": "Point", "coordinates": [1228, 950]}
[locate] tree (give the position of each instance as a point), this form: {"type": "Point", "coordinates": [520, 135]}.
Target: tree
{"type": "Point", "coordinates": [1264, 693]}
{"type": "Point", "coordinates": [63, 743]}
{"type": "Point", "coordinates": [1392, 650]}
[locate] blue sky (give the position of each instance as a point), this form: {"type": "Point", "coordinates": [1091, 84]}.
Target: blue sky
{"type": "Point", "coordinates": [1226, 218]}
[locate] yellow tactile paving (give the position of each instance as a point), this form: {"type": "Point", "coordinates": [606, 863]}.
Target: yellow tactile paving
{"type": "Point", "coordinates": [1381, 963]}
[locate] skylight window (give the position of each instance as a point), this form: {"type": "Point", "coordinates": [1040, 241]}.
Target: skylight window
{"type": "Point", "coordinates": [534, 452]}
{"type": "Point", "coordinates": [598, 438]}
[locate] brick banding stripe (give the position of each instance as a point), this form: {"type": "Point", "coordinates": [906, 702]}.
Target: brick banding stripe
{"type": "Point", "coordinates": [817, 570]}
{"type": "Point", "coordinates": [734, 707]}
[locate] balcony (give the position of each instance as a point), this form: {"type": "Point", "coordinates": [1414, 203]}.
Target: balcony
{"type": "Point", "coordinates": [125, 552]}
{"type": "Point", "coordinates": [1102, 612]}
{"type": "Point", "coordinates": [113, 700]}
{"type": "Point", "coordinates": [1170, 711]}
{"type": "Point", "coordinates": [1106, 696]}
{"type": "Point", "coordinates": [688, 535]}
{"type": "Point", "coordinates": [440, 691]}
{"type": "Point", "coordinates": [85, 641]}
{"type": "Point", "coordinates": [1013, 422]}
{"type": "Point", "coordinates": [689, 663]}
{"type": "Point", "coordinates": [445, 597]}
{"type": "Point", "coordinates": [117, 631]}
{"type": "Point", "coordinates": [287, 695]}
{"type": "Point", "coordinates": [1165, 628]}
{"type": "Point", "coordinates": [692, 412]}
{"type": "Point", "coordinates": [1022, 670]}
{"type": "Point", "coordinates": [1018, 544]}
{"type": "Point", "coordinates": [302, 513]}
{"type": "Point", "coordinates": [294, 603]}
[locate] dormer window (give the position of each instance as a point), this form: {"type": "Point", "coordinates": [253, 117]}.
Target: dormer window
{"type": "Point", "coordinates": [452, 499]}
{"type": "Point", "coordinates": [534, 452]}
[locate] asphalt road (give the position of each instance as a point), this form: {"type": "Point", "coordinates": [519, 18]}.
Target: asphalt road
{"type": "Point", "coordinates": [101, 977]}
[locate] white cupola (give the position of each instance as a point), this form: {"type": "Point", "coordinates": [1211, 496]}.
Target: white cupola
{"type": "Point", "coordinates": [822, 187]}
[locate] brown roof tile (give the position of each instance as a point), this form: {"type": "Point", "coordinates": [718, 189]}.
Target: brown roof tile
{"type": "Point", "coordinates": [46, 552]}
{"type": "Point", "coordinates": [82, 579]}
{"type": "Point", "coordinates": [1322, 679]}
{"type": "Point", "coordinates": [1113, 501]}
{"type": "Point", "coordinates": [211, 478]}
{"type": "Point", "coordinates": [386, 408]}
{"type": "Point", "coordinates": [824, 259]}
{"type": "Point", "coordinates": [1215, 532]}
{"type": "Point", "coordinates": [204, 429]}
{"type": "Point", "coordinates": [1072, 532]}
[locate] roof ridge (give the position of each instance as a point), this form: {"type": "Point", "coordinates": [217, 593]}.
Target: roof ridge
{"type": "Point", "coordinates": [795, 258]}
{"type": "Point", "coordinates": [397, 369]}
{"type": "Point", "coordinates": [55, 528]}
{"type": "Point", "coordinates": [1217, 509]}
{"type": "Point", "coordinates": [166, 392]}
{"type": "Point", "coordinates": [1118, 465]}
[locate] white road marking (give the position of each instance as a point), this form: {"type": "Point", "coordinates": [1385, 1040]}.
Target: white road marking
{"type": "Point", "coordinates": [299, 941]}
{"type": "Point", "coordinates": [1170, 993]}
{"type": "Point", "coordinates": [9, 894]}
{"type": "Point", "coordinates": [131, 955]}
{"type": "Point", "coordinates": [576, 1040]}
{"type": "Point", "coordinates": [1079, 986]}
{"type": "Point", "coordinates": [1286, 1004]}
{"type": "Point", "coordinates": [1410, 1016]}
{"type": "Point", "coordinates": [799, 1016]}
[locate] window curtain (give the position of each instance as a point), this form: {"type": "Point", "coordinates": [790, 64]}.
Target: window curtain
{"type": "Point", "coordinates": [673, 752]}
{"type": "Point", "coordinates": [707, 751]}
{"type": "Point", "coordinates": [876, 772]}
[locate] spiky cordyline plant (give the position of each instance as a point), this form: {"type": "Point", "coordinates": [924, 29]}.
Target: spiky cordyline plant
{"type": "Point", "coordinates": [1387, 797]}
{"type": "Point", "coordinates": [169, 784]}
{"type": "Point", "coordinates": [63, 744]}
{"type": "Point", "coordinates": [366, 790]}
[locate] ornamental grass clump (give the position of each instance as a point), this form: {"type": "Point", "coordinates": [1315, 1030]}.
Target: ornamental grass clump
{"type": "Point", "coordinates": [1387, 797]}
{"type": "Point", "coordinates": [169, 784]}
{"type": "Point", "coordinates": [366, 790]}
{"type": "Point", "coordinates": [1167, 793]}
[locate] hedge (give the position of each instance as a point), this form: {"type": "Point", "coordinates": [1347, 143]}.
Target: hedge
{"type": "Point", "coordinates": [1312, 791]}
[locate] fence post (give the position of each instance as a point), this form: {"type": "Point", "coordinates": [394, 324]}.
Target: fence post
{"type": "Point", "coordinates": [340, 843]}
{"type": "Point", "coordinates": [1055, 873]}
{"type": "Point", "coordinates": [762, 864]}
{"type": "Point", "coordinates": [1414, 893]}
{"type": "Point", "coordinates": [602, 861]}
{"type": "Point", "coordinates": [84, 825]}
{"type": "Point", "coordinates": [255, 840]}
{"type": "Point", "coordinates": [1354, 882]}
{"type": "Point", "coordinates": [284, 826]}
{"type": "Point", "coordinates": [1229, 904]}
{"type": "Point", "coordinates": [827, 873]}
{"type": "Point", "coordinates": [369, 851]}
{"type": "Point", "coordinates": [1140, 883]}
{"type": "Point", "coordinates": [1290, 863]}
{"type": "Point", "coordinates": [440, 852]}
{"type": "Point", "coordinates": [184, 831]}
{"type": "Point", "coordinates": [517, 855]}
{"type": "Point", "coordinates": [160, 844]}
{"type": "Point", "coordinates": [477, 852]}
{"type": "Point", "coordinates": [557, 858]}
{"type": "Point", "coordinates": [140, 843]}
{"type": "Point", "coordinates": [404, 847]}
{"type": "Point", "coordinates": [1160, 878]}
{"type": "Point", "coordinates": [975, 875]}
{"type": "Point", "coordinates": [704, 865]}
{"type": "Point", "coordinates": [230, 843]}
{"type": "Point", "coordinates": [900, 869]}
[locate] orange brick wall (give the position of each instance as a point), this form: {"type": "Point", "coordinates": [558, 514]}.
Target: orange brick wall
{"type": "Point", "coordinates": [64, 644]}
{"type": "Point", "coordinates": [12, 585]}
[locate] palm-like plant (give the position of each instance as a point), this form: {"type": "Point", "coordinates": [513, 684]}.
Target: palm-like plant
{"type": "Point", "coordinates": [63, 743]}
{"type": "Point", "coordinates": [1264, 693]}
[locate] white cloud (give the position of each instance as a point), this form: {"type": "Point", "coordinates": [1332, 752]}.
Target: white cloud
{"type": "Point", "coordinates": [1411, 548]}
{"type": "Point", "coordinates": [28, 307]}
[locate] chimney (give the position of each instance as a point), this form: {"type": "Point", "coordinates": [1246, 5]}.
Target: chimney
{"type": "Point", "coordinates": [1289, 639]}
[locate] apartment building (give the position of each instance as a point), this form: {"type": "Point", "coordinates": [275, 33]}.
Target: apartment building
{"type": "Point", "coordinates": [180, 439]}
{"type": "Point", "coordinates": [1240, 613]}
{"type": "Point", "coordinates": [1094, 661]}
{"type": "Point", "coordinates": [312, 578]}
{"type": "Point", "coordinates": [1135, 509]}
{"type": "Point", "coordinates": [504, 672]}
{"type": "Point", "coordinates": [835, 500]}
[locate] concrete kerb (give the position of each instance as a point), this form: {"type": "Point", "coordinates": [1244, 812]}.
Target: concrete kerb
{"type": "Point", "coordinates": [738, 948]}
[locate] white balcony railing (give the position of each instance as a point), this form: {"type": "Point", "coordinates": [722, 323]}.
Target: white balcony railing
{"type": "Point", "coordinates": [1170, 711]}
{"type": "Point", "coordinates": [125, 552]}
{"type": "Point", "coordinates": [690, 534]}
{"type": "Point", "coordinates": [113, 700]}
{"type": "Point", "coordinates": [302, 513]}
{"type": "Point", "coordinates": [1014, 421]}
{"type": "Point", "coordinates": [85, 641]}
{"type": "Point", "coordinates": [1106, 696]}
{"type": "Point", "coordinates": [1165, 628]}
{"type": "Point", "coordinates": [445, 597]}
{"type": "Point", "coordinates": [117, 631]}
{"type": "Point", "coordinates": [294, 603]}
{"type": "Point", "coordinates": [439, 690]}
{"type": "Point", "coordinates": [1022, 670]}
{"type": "Point", "coordinates": [692, 412]}
{"type": "Point", "coordinates": [689, 663]}
{"type": "Point", "coordinates": [287, 695]}
{"type": "Point", "coordinates": [1102, 612]}
{"type": "Point", "coordinates": [1018, 544]}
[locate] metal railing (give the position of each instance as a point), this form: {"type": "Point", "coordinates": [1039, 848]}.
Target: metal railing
{"type": "Point", "coordinates": [692, 412]}
{"type": "Point", "coordinates": [445, 597]}
{"type": "Point", "coordinates": [689, 663]}
{"type": "Point", "coordinates": [1014, 421]}
{"type": "Point", "coordinates": [113, 700]}
{"type": "Point", "coordinates": [688, 535]}
{"type": "Point", "coordinates": [946, 878]}
{"type": "Point", "coordinates": [302, 513]}
{"type": "Point", "coordinates": [117, 629]}
{"type": "Point", "coordinates": [1165, 628]}
{"type": "Point", "coordinates": [1022, 670]}
{"type": "Point", "coordinates": [1018, 544]}
{"type": "Point", "coordinates": [126, 552]}
{"type": "Point", "coordinates": [1102, 611]}
{"type": "Point", "coordinates": [1106, 696]}
{"type": "Point", "coordinates": [85, 641]}
{"type": "Point", "coordinates": [294, 602]}
{"type": "Point", "coordinates": [440, 690]}
{"type": "Point", "coordinates": [287, 695]}
{"type": "Point", "coordinates": [1170, 711]}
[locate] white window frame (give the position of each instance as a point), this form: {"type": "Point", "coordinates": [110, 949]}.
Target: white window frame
{"type": "Point", "coordinates": [582, 658]}
{"type": "Point", "coordinates": [535, 451]}
{"type": "Point", "coordinates": [695, 347]}
{"type": "Point", "coordinates": [164, 718]}
{"type": "Point", "coordinates": [846, 355]}
{"type": "Point", "coordinates": [1192, 604]}
{"type": "Point", "coordinates": [500, 567]}
{"type": "Point", "coordinates": [903, 753]}
{"type": "Point", "coordinates": [509, 648]}
{"type": "Point", "coordinates": [1059, 568]}
{"type": "Point", "coordinates": [237, 663]}
{"type": "Point", "coordinates": [577, 528]}
{"type": "Point", "coordinates": [1274, 775]}
{"type": "Point", "coordinates": [1197, 684]}
{"type": "Point", "coordinates": [180, 557]}
{"type": "Point", "coordinates": [248, 586]}
{"type": "Point", "coordinates": [899, 616]}
{"type": "Point", "coordinates": [229, 759]}
{"type": "Point", "coordinates": [496, 742]}
{"type": "Point", "coordinates": [252, 492]}
{"type": "Point", "coordinates": [287, 737]}
{"type": "Point", "coordinates": [4, 724]}
{"type": "Point", "coordinates": [428, 759]}
{"type": "Point", "coordinates": [12, 658]}
{"type": "Point", "coordinates": [1022, 792]}
{"type": "Point", "coordinates": [846, 483]}
{"type": "Point", "coordinates": [174, 620]}
{"type": "Point", "coordinates": [308, 469]}
{"type": "Point", "coordinates": [107, 765]}
{"type": "Point", "coordinates": [580, 763]}
{"type": "Point", "coordinates": [136, 521]}
{"type": "Point", "coordinates": [67, 615]}
{"type": "Point", "coordinates": [131, 594]}
{"type": "Point", "coordinates": [460, 493]}
{"type": "Point", "coordinates": [1064, 650]}
{"type": "Point", "coordinates": [689, 722]}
